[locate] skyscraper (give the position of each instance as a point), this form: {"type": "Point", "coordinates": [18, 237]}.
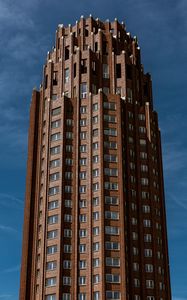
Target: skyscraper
{"type": "Point", "coordinates": [95, 224]}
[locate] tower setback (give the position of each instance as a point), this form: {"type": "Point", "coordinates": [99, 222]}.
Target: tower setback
{"type": "Point", "coordinates": [95, 223]}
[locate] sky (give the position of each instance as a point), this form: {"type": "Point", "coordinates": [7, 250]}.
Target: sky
{"type": "Point", "coordinates": [27, 32]}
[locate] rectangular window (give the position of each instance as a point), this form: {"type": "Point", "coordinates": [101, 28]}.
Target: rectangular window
{"type": "Point", "coordinates": [50, 297]}
{"type": "Point", "coordinates": [82, 264]}
{"type": "Point", "coordinates": [55, 163]}
{"type": "Point", "coordinates": [112, 246]}
{"type": "Point", "coordinates": [110, 295]}
{"type": "Point", "coordinates": [105, 71]}
{"type": "Point", "coordinates": [66, 75]}
{"type": "Point", "coordinates": [54, 190]}
{"type": "Point", "coordinates": [110, 158]}
{"type": "Point", "coordinates": [52, 234]}
{"type": "Point", "coordinates": [109, 105]}
{"type": "Point", "coordinates": [53, 204]}
{"type": "Point", "coordinates": [95, 107]}
{"type": "Point", "coordinates": [56, 111]}
{"type": "Point", "coordinates": [54, 176]}
{"type": "Point", "coordinates": [55, 124]}
{"type": "Point", "coordinates": [67, 264]}
{"type": "Point", "coordinates": [83, 122]}
{"type": "Point", "coordinates": [111, 186]}
{"type": "Point", "coordinates": [52, 219]}
{"type": "Point", "coordinates": [52, 249]}
{"type": "Point", "coordinates": [113, 278]}
{"type": "Point", "coordinates": [110, 118]}
{"type": "Point", "coordinates": [83, 90]}
{"type": "Point", "coordinates": [82, 248]}
{"type": "Point", "coordinates": [112, 261]}
{"type": "Point", "coordinates": [111, 200]}
{"type": "Point", "coordinates": [110, 145]}
{"type": "Point", "coordinates": [83, 109]}
{"type": "Point", "coordinates": [67, 248]}
{"type": "Point", "coordinates": [118, 70]}
{"type": "Point", "coordinates": [112, 230]}
{"type": "Point", "coordinates": [51, 265]}
{"type": "Point", "coordinates": [50, 281]}
{"type": "Point", "coordinates": [111, 171]}
{"type": "Point", "coordinates": [110, 131]}
{"type": "Point", "coordinates": [111, 215]}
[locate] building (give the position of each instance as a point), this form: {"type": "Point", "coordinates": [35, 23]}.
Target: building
{"type": "Point", "coordinates": [95, 224]}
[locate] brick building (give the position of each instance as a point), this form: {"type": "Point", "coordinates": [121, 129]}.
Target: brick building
{"type": "Point", "coordinates": [95, 224]}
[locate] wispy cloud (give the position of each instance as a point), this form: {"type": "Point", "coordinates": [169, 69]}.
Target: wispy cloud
{"type": "Point", "coordinates": [11, 269]}
{"type": "Point", "coordinates": [8, 229]}
{"type": "Point", "coordinates": [8, 200]}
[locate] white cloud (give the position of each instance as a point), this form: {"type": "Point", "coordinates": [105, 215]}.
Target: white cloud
{"type": "Point", "coordinates": [8, 229]}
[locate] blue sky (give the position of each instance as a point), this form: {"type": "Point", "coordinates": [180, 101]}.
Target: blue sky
{"type": "Point", "coordinates": [27, 31]}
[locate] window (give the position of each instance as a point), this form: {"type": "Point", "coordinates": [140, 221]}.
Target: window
{"type": "Point", "coordinates": [66, 52]}
{"type": "Point", "coordinates": [95, 146]}
{"type": "Point", "coordinates": [69, 148]}
{"type": "Point", "coordinates": [55, 78]}
{"type": "Point", "coordinates": [82, 233]}
{"type": "Point", "coordinates": [135, 251]}
{"type": "Point", "coordinates": [110, 118]}
{"type": "Point", "coordinates": [95, 201]}
{"type": "Point", "coordinates": [53, 204]}
{"type": "Point", "coordinates": [111, 200]}
{"type": "Point", "coordinates": [141, 117]}
{"type": "Point", "coordinates": [82, 248]}
{"type": "Point", "coordinates": [110, 295]}
{"type": "Point", "coordinates": [105, 71]}
{"type": "Point", "coordinates": [82, 175]}
{"type": "Point", "coordinates": [67, 203]}
{"type": "Point", "coordinates": [112, 261]}
{"type": "Point", "coordinates": [143, 155]}
{"type": "Point", "coordinates": [96, 215]}
{"type": "Point", "coordinates": [66, 280]}
{"type": "Point", "coordinates": [54, 163]}
{"type": "Point", "coordinates": [150, 284]}
{"type": "Point", "coordinates": [68, 233]}
{"type": "Point", "coordinates": [82, 280]}
{"type": "Point", "coordinates": [110, 131]}
{"type": "Point", "coordinates": [52, 234]}
{"type": "Point", "coordinates": [112, 246]}
{"type": "Point", "coordinates": [55, 124]}
{"type": "Point", "coordinates": [96, 230]}
{"type": "Point", "coordinates": [144, 181]}
{"type": "Point", "coordinates": [54, 176]}
{"type": "Point", "coordinates": [67, 264]}
{"type": "Point", "coordinates": [83, 122]}
{"type": "Point", "coordinates": [83, 135]}
{"type": "Point", "coordinates": [56, 111]}
{"type": "Point", "coordinates": [96, 262]}
{"type": "Point", "coordinates": [95, 172]}
{"type": "Point", "coordinates": [83, 109]}
{"type": "Point", "coordinates": [68, 218]}
{"type": "Point", "coordinates": [83, 90]}
{"type": "Point", "coordinates": [53, 190]}
{"type": "Point", "coordinates": [148, 253]}
{"type": "Point", "coordinates": [112, 230]}
{"type": "Point", "coordinates": [129, 95]}
{"type": "Point", "coordinates": [52, 219]}
{"type": "Point", "coordinates": [151, 298]}
{"type": "Point", "coordinates": [110, 158]}
{"type": "Point", "coordinates": [52, 249]}
{"type": "Point", "coordinates": [68, 189]}
{"type": "Point", "coordinates": [111, 186]}
{"type": "Point", "coordinates": [142, 129]}
{"type": "Point", "coordinates": [55, 150]}
{"type": "Point", "coordinates": [69, 175]}
{"type": "Point", "coordinates": [105, 90]}
{"type": "Point", "coordinates": [69, 135]}
{"type": "Point", "coordinates": [118, 70]}
{"type": "Point", "coordinates": [112, 215]}
{"type": "Point", "coordinates": [82, 189]}
{"type": "Point", "coordinates": [113, 278]}
{"type": "Point", "coordinates": [135, 266]}
{"type": "Point", "coordinates": [67, 248]}
{"type": "Point", "coordinates": [83, 66]}
{"type": "Point", "coordinates": [147, 223]}
{"type": "Point", "coordinates": [144, 168]}
{"type": "Point", "coordinates": [110, 145]}
{"type": "Point", "coordinates": [95, 107]}
{"type": "Point", "coordinates": [54, 97]}
{"type": "Point", "coordinates": [136, 282]}
{"type": "Point", "coordinates": [109, 105]}
{"type": "Point", "coordinates": [95, 158]}
{"type": "Point", "coordinates": [82, 203]}
{"type": "Point", "coordinates": [83, 148]}
{"type": "Point", "coordinates": [51, 265]}
{"type": "Point", "coordinates": [50, 297]}
{"type": "Point", "coordinates": [95, 186]}
{"type": "Point", "coordinates": [82, 296]}
{"type": "Point", "coordinates": [66, 296]}
{"type": "Point", "coordinates": [69, 122]}
{"type": "Point", "coordinates": [147, 238]}
{"type": "Point", "coordinates": [50, 281]}
{"type": "Point", "coordinates": [96, 296]}
{"type": "Point", "coordinates": [148, 268]}
{"type": "Point", "coordinates": [66, 75]}
{"type": "Point", "coordinates": [96, 246]}
{"type": "Point", "coordinates": [95, 119]}
{"type": "Point", "coordinates": [69, 161]}
{"type": "Point", "coordinates": [96, 279]}
{"type": "Point", "coordinates": [111, 171]}
{"type": "Point", "coordinates": [82, 264]}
